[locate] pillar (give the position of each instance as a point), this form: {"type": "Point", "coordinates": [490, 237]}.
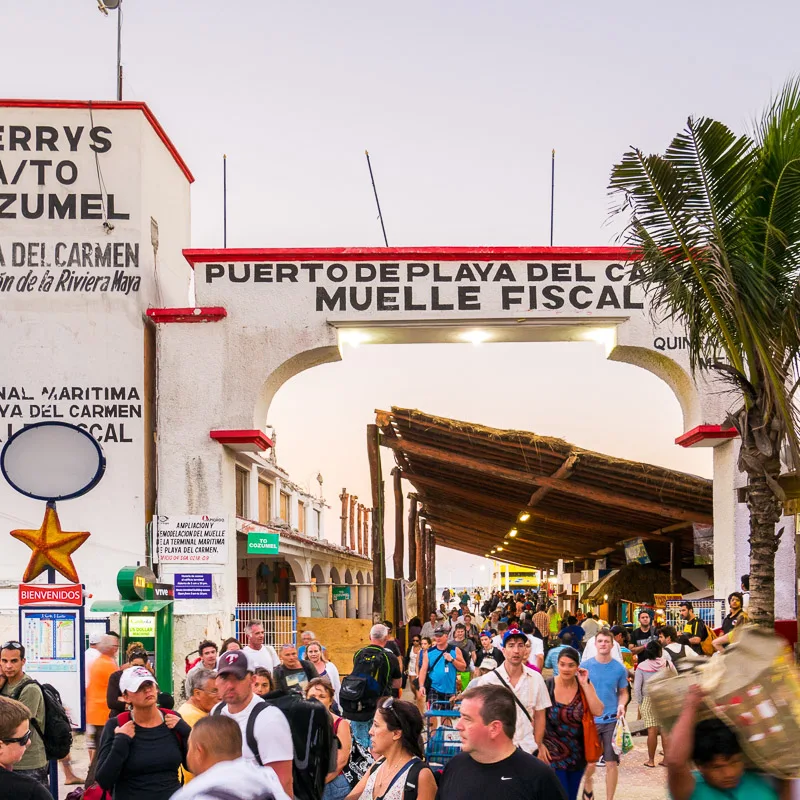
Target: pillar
{"type": "Point", "coordinates": [370, 602]}
{"type": "Point", "coordinates": [364, 602]}
{"type": "Point", "coordinates": [303, 599]}
{"type": "Point", "coordinates": [352, 603]}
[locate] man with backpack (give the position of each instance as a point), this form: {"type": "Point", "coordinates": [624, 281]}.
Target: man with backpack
{"type": "Point", "coordinates": [673, 648]}
{"type": "Point", "coordinates": [376, 672]}
{"type": "Point", "coordinates": [18, 686]}
{"type": "Point", "coordinates": [440, 666]}
{"type": "Point", "coordinates": [267, 738]}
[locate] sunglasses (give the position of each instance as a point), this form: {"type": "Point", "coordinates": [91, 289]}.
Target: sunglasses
{"type": "Point", "coordinates": [415, 641]}
{"type": "Point", "coordinates": [11, 645]}
{"type": "Point", "coordinates": [388, 705]}
{"type": "Point", "coordinates": [20, 740]}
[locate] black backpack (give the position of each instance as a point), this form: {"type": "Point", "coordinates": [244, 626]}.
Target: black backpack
{"type": "Point", "coordinates": [366, 684]}
{"type": "Point", "coordinates": [57, 733]}
{"type": "Point", "coordinates": [411, 785]}
{"type": "Point", "coordinates": [312, 740]}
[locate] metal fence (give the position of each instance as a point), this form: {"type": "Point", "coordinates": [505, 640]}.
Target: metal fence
{"type": "Point", "coordinates": [280, 621]}
{"type": "Point", "coordinates": [710, 611]}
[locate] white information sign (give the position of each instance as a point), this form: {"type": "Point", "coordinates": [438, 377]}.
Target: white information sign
{"type": "Point", "coordinates": [196, 539]}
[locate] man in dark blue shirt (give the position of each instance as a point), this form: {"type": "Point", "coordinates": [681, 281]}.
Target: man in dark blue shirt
{"type": "Point", "coordinates": [574, 630]}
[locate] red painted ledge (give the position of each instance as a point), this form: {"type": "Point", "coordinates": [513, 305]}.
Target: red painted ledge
{"type": "Point", "coordinates": [114, 105]}
{"type": "Point", "coordinates": [253, 441]}
{"type": "Point", "coordinates": [383, 254]}
{"type": "Point", "coordinates": [706, 436]}
{"type": "Point", "coordinates": [208, 314]}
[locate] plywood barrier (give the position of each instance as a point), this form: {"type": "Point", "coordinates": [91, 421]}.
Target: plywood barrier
{"type": "Point", "coordinates": [341, 637]}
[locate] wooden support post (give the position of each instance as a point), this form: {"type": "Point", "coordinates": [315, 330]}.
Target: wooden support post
{"type": "Point", "coordinates": [674, 563]}
{"type": "Point", "coordinates": [360, 530]}
{"type": "Point", "coordinates": [422, 598]}
{"type": "Point", "coordinates": [353, 501]}
{"type": "Point", "coordinates": [378, 543]}
{"type": "Point", "coordinates": [367, 512]}
{"type": "Point", "coordinates": [345, 498]}
{"type": "Point", "coordinates": [399, 544]}
{"type": "Point", "coordinates": [431, 587]}
{"type": "Point", "coordinates": [412, 538]}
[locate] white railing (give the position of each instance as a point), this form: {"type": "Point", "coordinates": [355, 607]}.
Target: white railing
{"type": "Point", "coordinates": [280, 622]}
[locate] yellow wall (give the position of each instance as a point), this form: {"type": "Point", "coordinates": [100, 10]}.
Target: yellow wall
{"type": "Point", "coordinates": [341, 637]}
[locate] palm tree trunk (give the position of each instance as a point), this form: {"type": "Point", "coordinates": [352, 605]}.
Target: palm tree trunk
{"type": "Point", "coordinates": [766, 510]}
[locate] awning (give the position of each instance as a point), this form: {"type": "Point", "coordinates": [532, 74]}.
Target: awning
{"type": "Point", "coordinates": [595, 592]}
{"type": "Point", "coordinates": [130, 606]}
{"type": "Point", "coordinates": [531, 500]}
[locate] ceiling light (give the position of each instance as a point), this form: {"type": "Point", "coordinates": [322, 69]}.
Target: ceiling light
{"type": "Point", "coordinates": [499, 548]}
{"type": "Point", "coordinates": [494, 550]}
{"type": "Point", "coordinates": [352, 337]}
{"type": "Point", "coordinates": [476, 337]}
{"type": "Point", "coordinates": [524, 516]}
{"type": "Point", "coordinates": [513, 532]}
{"type": "Point", "coordinates": [604, 336]}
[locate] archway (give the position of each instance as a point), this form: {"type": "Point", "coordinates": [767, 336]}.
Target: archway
{"type": "Point", "coordinates": [300, 305]}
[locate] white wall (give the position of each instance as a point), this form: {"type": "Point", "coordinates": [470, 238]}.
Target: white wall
{"type": "Point", "coordinates": [60, 340]}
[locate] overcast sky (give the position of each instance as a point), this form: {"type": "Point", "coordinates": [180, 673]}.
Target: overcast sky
{"type": "Point", "coordinates": [460, 104]}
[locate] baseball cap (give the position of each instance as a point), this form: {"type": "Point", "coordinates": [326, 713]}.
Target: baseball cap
{"type": "Point", "coordinates": [515, 633]}
{"type": "Point", "coordinates": [439, 630]}
{"type": "Point", "coordinates": [133, 677]}
{"type": "Point", "coordinates": [94, 638]}
{"type": "Point", "coordinates": [234, 662]}
{"type": "Point", "coordinates": [488, 663]}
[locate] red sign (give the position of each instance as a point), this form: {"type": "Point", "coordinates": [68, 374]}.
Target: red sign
{"type": "Point", "coordinates": [70, 594]}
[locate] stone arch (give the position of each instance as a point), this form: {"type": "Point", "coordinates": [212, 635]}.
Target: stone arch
{"type": "Point", "coordinates": [360, 577]}
{"type": "Point", "coordinates": [336, 576]}
{"type": "Point", "coordinates": [318, 575]}
{"type": "Point", "coordinates": [300, 568]}
{"type": "Point", "coordinates": [348, 576]}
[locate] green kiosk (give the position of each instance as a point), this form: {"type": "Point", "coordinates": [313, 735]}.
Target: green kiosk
{"type": "Point", "coordinates": [145, 612]}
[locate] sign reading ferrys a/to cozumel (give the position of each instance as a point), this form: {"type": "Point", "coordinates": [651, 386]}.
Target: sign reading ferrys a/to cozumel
{"type": "Point", "coordinates": [70, 594]}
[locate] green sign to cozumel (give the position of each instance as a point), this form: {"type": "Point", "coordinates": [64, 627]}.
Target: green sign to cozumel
{"type": "Point", "coordinates": [341, 593]}
{"type": "Point", "coordinates": [260, 542]}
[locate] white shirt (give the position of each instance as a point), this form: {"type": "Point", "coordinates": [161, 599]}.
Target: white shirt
{"type": "Point", "coordinates": [675, 647]}
{"type": "Point", "coordinates": [591, 626]}
{"type": "Point", "coordinates": [497, 641]}
{"type": "Point", "coordinates": [240, 777]}
{"type": "Point", "coordinates": [531, 692]}
{"type": "Point", "coordinates": [590, 651]}
{"type": "Point", "coordinates": [265, 657]}
{"type": "Point", "coordinates": [271, 730]}
{"type": "Point", "coordinates": [331, 672]}
{"type": "Point", "coordinates": [537, 647]}
{"type": "Point", "coordinates": [90, 657]}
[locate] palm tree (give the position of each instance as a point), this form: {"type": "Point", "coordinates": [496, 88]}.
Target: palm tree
{"type": "Point", "coordinates": [716, 219]}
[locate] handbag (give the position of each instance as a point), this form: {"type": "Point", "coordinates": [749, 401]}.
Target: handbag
{"type": "Point", "coordinates": [592, 746]}
{"type": "Point", "coordinates": [357, 765]}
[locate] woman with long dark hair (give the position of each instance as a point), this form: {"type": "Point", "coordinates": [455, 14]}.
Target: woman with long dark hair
{"type": "Point", "coordinates": [141, 750]}
{"type": "Point", "coordinates": [574, 704]}
{"type": "Point", "coordinates": [396, 737]}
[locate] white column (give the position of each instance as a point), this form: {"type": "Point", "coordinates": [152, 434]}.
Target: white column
{"type": "Point", "coordinates": [303, 599]}
{"type": "Point", "coordinates": [507, 578]}
{"type": "Point", "coordinates": [276, 498]}
{"type": "Point", "coordinates": [364, 603]}
{"type": "Point", "coordinates": [352, 603]}
{"type": "Point", "coordinates": [726, 504]}
{"type": "Point", "coordinates": [370, 600]}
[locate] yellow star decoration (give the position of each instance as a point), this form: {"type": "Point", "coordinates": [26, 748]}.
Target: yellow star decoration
{"type": "Point", "coordinates": [51, 547]}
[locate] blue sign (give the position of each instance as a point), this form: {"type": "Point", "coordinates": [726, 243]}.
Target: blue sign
{"type": "Point", "coordinates": [192, 586]}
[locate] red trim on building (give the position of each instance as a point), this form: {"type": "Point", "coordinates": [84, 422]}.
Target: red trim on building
{"type": "Point", "coordinates": [384, 254]}
{"type": "Point", "coordinates": [124, 105]}
{"type": "Point", "coordinates": [706, 436]}
{"type": "Point", "coordinates": [207, 314]}
{"type": "Point", "coordinates": [258, 439]}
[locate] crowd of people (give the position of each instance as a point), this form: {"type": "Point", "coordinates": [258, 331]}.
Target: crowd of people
{"type": "Point", "coordinates": [538, 694]}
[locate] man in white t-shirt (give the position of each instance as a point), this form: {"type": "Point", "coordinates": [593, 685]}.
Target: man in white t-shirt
{"type": "Point", "coordinates": [528, 687]}
{"type": "Point", "coordinates": [258, 653]}
{"type": "Point", "coordinates": [590, 651]}
{"type": "Point", "coordinates": [271, 730]}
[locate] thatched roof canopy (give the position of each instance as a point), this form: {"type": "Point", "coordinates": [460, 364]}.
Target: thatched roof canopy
{"type": "Point", "coordinates": [476, 484]}
{"type": "Point", "coordinates": [638, 583]}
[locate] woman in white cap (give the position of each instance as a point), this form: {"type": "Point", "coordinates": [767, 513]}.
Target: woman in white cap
{"type": "Point", "coordinates": [141, 750]}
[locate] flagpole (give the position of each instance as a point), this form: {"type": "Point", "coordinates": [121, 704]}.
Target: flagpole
{"type": "Point", "coordinates": [552, 191]}
{"type": "Point", "coordinates": [377, 202]}
{"type": "Point", "coordinates": [224, 200]}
